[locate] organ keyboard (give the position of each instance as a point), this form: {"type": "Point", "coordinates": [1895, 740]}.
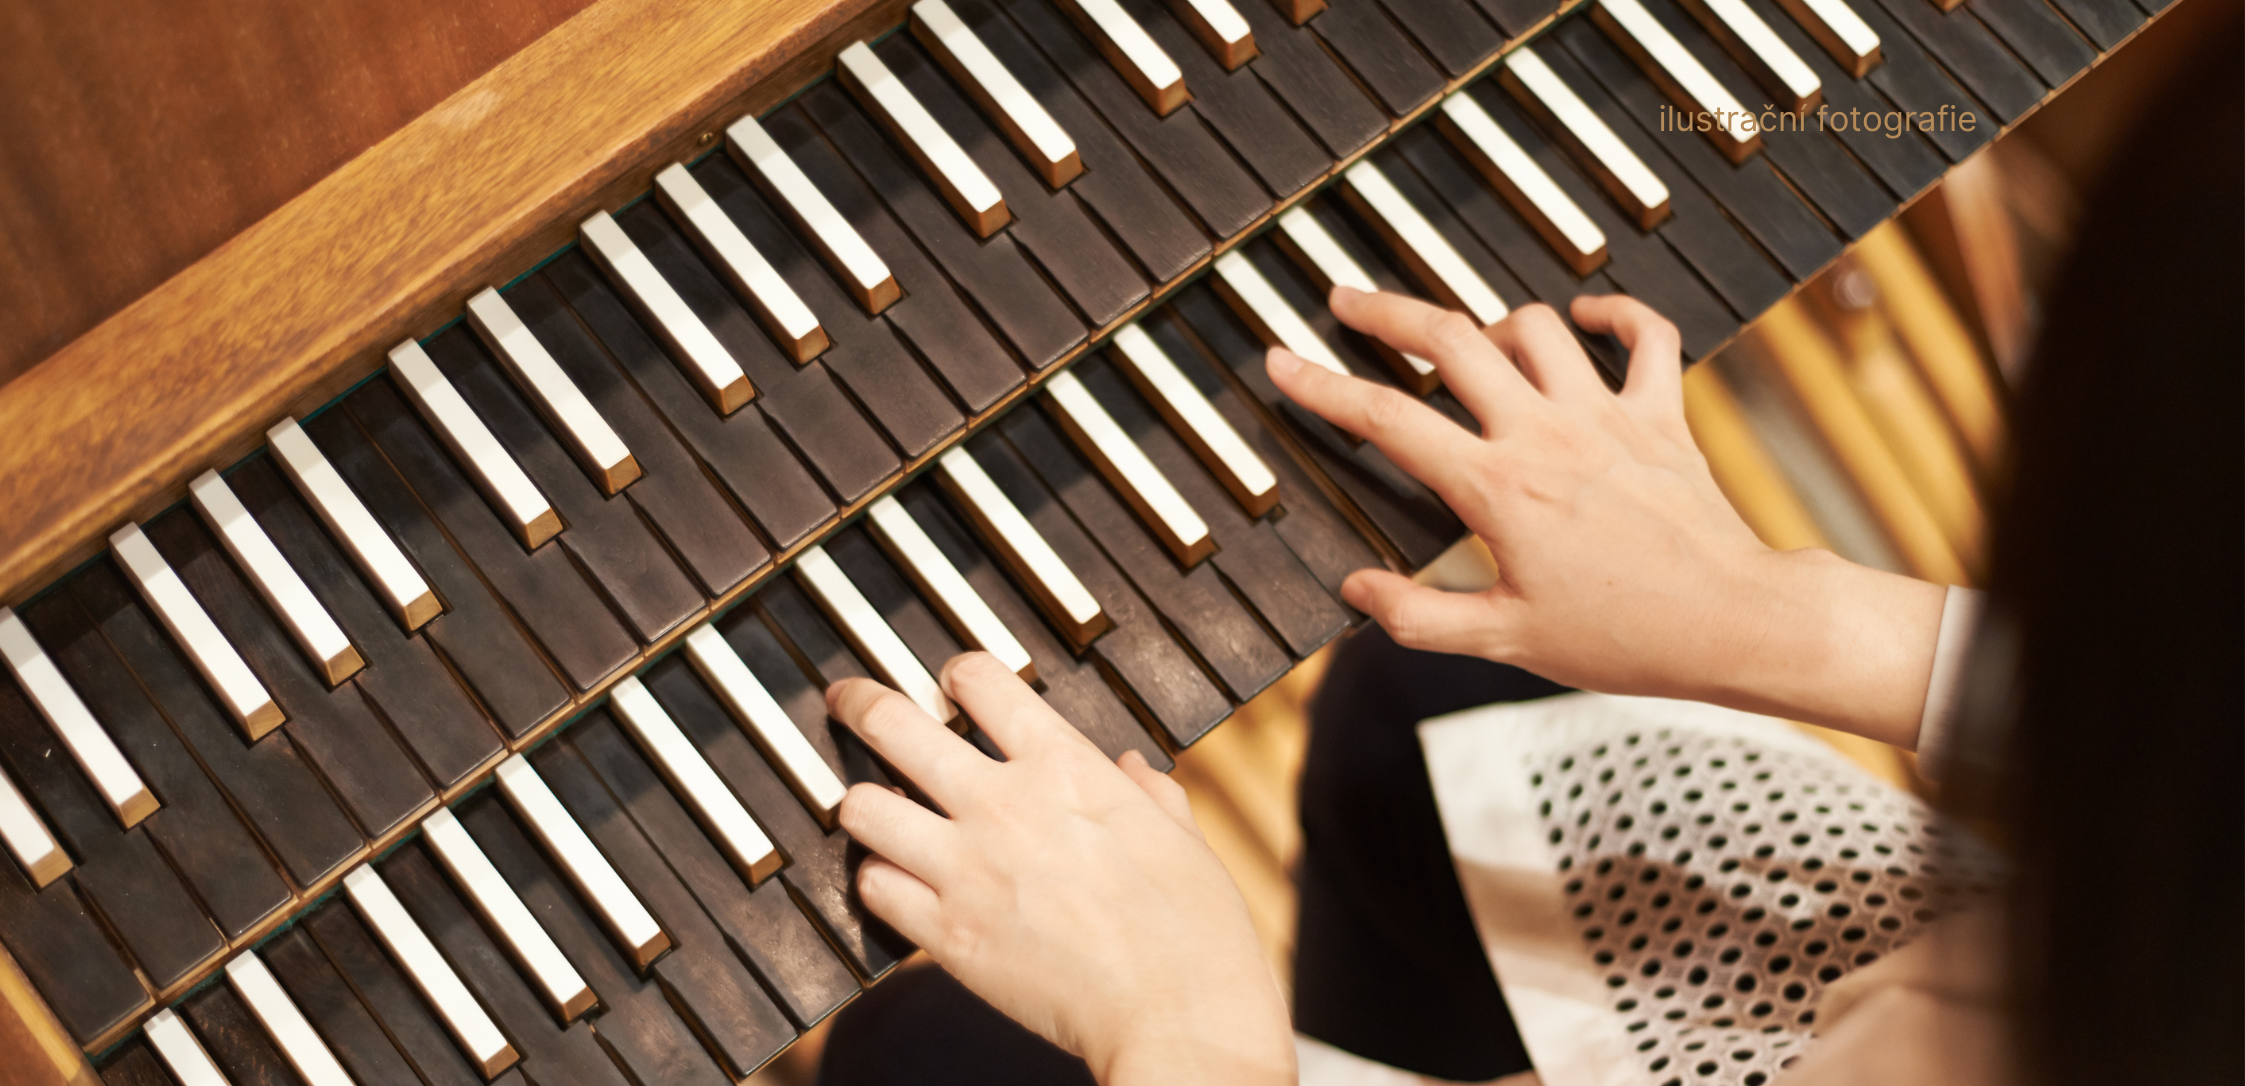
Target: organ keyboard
{"type": "Point", "coordinates": [956, 289]}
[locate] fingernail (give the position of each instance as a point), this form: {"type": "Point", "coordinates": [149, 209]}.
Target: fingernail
{"type": "Point", "coordinates": [1280, 362]}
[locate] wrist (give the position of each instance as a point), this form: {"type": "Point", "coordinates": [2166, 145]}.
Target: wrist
{"type": "Point", "coordinates": [1237, 1043]}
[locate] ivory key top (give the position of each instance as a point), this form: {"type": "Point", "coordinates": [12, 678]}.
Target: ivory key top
{"type": "Point", "coordinates": [945, 588]}
{"type": "Point", "coordinates": [1267, 313]}
{"type": "Point", "coordinates": [1619, 171]}
{"type": "Point", "coordinates": [1032, 131]}
{"type": "Point", "coordinates": [557, 982]}
{"type": "Point", "coordinates": [1055, 587]}
{"type": "Point", "coordinates": [1317, 252]}
{"type": "Point", "coordinates": [298, 1042]}
{"type": "Point", "coordinates": [768, 726]}
{"type": "Point", "coordinates": [1126, 45]}
{"type": "Point", "coordinates": [513, 496]}
{"type": "Point", "coordinates": [712, 369]}
{"type": "Point", "coordinates": [89, 745]}
{"type": "Point", "coordinates": [301, 613]}
{"type": "Point", "coordinates": [963, 184]}
{"type": "Point", "coordinates": [681, 764]}
{"type": "Point", "coordinates": [28, 840]}
{"type": "Point", "coordinates": [1524, 185]}
{"type": "Point", "coordinates": [578, 424]}
{"type": "Point", "coordinates": [1430, 256]}
{"type": "Point", "coordinates": [395, 579]}
{"type": "Point", "coordinates": [1854, 46]}
{"type": "Point", "coordinates": [1119, 460]}
{"type": "Point", "coordinates": [871, 637]}
{"type": "Point", "coordinates": [619, 910]}
{"type": "Point", "coordinates": [471, 1027]}
{"type": "Point", "coordinates": [1211, 437]}
{"type": "Point", "coordinates": [861, 271]}
{"type": "Point", "coordinates": [1678, 74]}
{"type": "Point", "coordinates": [181, 1052]}
{"type": "Point", "coordinates": [778, 308]}
{"type": "Point", "coordinates": [216, 659]}
{"type": "Point", "coordinates": [1220, 29]}
{"type": "Point", "coordinates": [1759, 50]}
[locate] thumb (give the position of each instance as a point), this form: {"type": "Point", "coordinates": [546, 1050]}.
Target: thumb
{"type": "Point", "coordinates": [1167, 794]}
{"type": "Point", "coordinates": [1418, 617]}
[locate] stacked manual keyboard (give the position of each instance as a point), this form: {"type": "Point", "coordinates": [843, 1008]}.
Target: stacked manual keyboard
{"type": "Point", "coordinates": [473, 729]}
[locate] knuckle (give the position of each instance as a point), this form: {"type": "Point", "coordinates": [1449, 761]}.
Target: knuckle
{"type": "Point", "coordinates": [1449, 327]}
{"type": "Point", "coordinates": [1384, 410]}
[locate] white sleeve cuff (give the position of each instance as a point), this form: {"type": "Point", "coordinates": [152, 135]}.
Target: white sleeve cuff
{"type": "Point", "coordinates": [1960, 614]}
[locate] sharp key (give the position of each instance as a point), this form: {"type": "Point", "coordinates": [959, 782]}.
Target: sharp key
{"type": "Point", "coordinates": [1429, 255]}
{"type": "Point", "coordinates": [1220, 28]}
{"type": "Point", "coordinates": [377, 555]}
{"type": "Point", "coordinates": [1188, 412]}
{"type": "Point", "coordinates": [307, 621]}
{"type": "Point", "coordinates": [1272, 319]}
{"type": "Point", "coordinates": [182, 1053]}
{"type": "Point", "coordinates": [1316, 251]}
{"type": "Point", "coordinates": [626, 920]}
{"type": "Point", "coordinates": [752, 706]}
{"type": "Point", "coordinates": [1623, 175]}
{"type": "Point", "coordinates": [708, 365]}
{"type": "Point", "coordinates": [1757, 48]}
{"type": "Point", "coordinates": [1123, 464]}
{"type": "Point", "coordinates": [243, 694]}
{"type": "Point", "coordinates": [1678, 74]}
{"type": "Point", "coordinates": [715, 806]}
{"type": "Point", "coordinates": [582, 431]}
{"type": "Point", "coordinates": [291, 1033]}
{"type": "Point", "coordinates": [853, 261]}
{"type": "Point", "coordinates": [557, 982]}
{"type": "Point", "coordinates": [476, 1034]}
{"type": "Point", "coordinates": [1132, 51]}
{"type": "Point", "coordinates": [1032, 561]}
{"type": "Point", "coordinates": [789, 322]}
{"type": "Point", "coordinates": [518, 502]}
{"type": "Point", "coordinates": [945, 588]}
{"type": "Point", "coordinates": [1031, 130]}
{"type": "Point", "coordinates": [1835, 26]}
{"type": "Point", "coordinates": [1523, 184]}
{"type": "Point", "coordinates": [869, 634]}
{"type": "Point", "coordinates": [963, 184]}
{"type": "Point", "coordinates": [35, 849]}
{"type": "Point", "coordinates": [90, 746]}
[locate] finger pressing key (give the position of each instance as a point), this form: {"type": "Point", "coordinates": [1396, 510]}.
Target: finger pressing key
{"type": "Point", "coordinates": [943, 765]}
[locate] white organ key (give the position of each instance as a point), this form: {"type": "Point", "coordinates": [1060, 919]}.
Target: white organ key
{"type": "Point", "coordinates": [97, 755]}
{"type": "Point", "coordinates": [511, 493]}
{"type": "Point", "coordinates": [942, 585]}
{"type": "Point", "coordinates": [707, 363]}
{"type": "Point", "coordinates": [1619, 171]}
{"type": "Point", "coordinates": [853, 261]}
{"type": "Point", "coordinates": [1051, 583]}
{"type": "Point", "coordinates": [1523, 184]}
{"type": "Point", "coordinates": [1273, 320]}
{"type": "Point", "coordinates": [1132, 51]}
{"type": "Point", "coordinates": [1124, 465]}
{"type": "Point", "coordinates": [867, 632]}
{"type": "Point", "coordinates": [463, 1017]}
{"type": "Point", "coordinates": [778, 308]}
{"type": "Point", "coordinates": [286, 1025]}
{"type": "Point", "coordinates": [768, 725]}
{"type": "Point", "coordinates": [181, 1052]}
{"type": "Point", "coordinates": [1437, 264]}
{"type": "Point", "coordinates": [582, 431]}
{"type": "Point", "coordinates": [400, 585]}
{"type": "Point", "coordinates": [1188, 412]}
{"type": "Point", "coordinates": [620, 912]}
{"type": "Point", "coordinates": [1220, 28]}
{"type": "Point", "coordinates": [35, 849]}
{"type": "Point", "coordinates": [1835, 26]}
{"type": "Point", "coordinates": [1030, 129]}
{"type": "Point", "coordinates": [307, 620]}
{"type": "Point", "coordinates": [238, 688]}
{"type": "Point", "coordinates": [558, 983]}
{"type": "Point", "coordinates": [1317, 252]}
{"type": "Point", "coordinates": [963, 184]}
{"type": "Point", "coordinates": [1759, 50]}
{"type": "Point", "coordinates": [720, 812]}
{"type": "Point", "coordinates": [1678, 73]}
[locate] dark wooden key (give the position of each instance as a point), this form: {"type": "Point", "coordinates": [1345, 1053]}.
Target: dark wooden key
{"type": "Point", "coordinates": [2037, 35]}
{"type": "Point", "coordinates": [403, 677]}
{"type": "Point", "coordinates": [1970, 55]}
{"type": "Point", "coordinates": [992, 271]}
{"type": "Point", "coordinates": [609, 541]}
{"type": "Point", "coordinates": [216, 854]}
{"type": "Point", "coordinates": [822, 866]}
{"type": "Point", "coordinates": [1517, 17]}
{"type": "Point", "coordinates": [499, 663]}
{"type": "Point", "coordinates": [739, 450]}
{"type": "Point", "coordinates": [1158, 233]}
{"type": "Point", "coordinates": [369, 771]}
{"type": "Point", "coordinates": [1379, 53]}
{"type": "Point", "coordinates": [1155, 674]}
{"type": "Point", "coordinates": [710, 539]}
{"type": "Point", "coordinates": [543, 588]}
{"type": "Point", "coordinates": [1239, 106]}
{"type": "Point", "coordinates": [556, 1057]}
{"type": "Point", "coordinates": [1308, 80]}
{"type": "Point", "coordinates": [136, 1064]}
{"type": "Point", "coordinates": [1904, 164]}
{"type": "Point", "coordinates": [890, 593]}
{"type": "Point", "coordinates": [268, 781]}
{"type": "Point", "coordinates": [1450, 31]}
{"type": "Point", "coordinates": [790, 649]}
{"type": "Point", "coordinates": [710, 984]}
{"type": "Point", "coordinates": [385, 992]}
{"type": "Point", "coordinates": [61, 946]}
{"type": "Point", "coordinates": [645, 1034]}
{"type": "Point", "coordinates": [1915, 83]}
{"type": "Point", "coordinates": [2107, 24]}
{"type": "Point", "coordinates": [1188, 157]}
{"type": "Point", "coordinates": [1055, 230]}
{"type": "Point", "coordinates": [810, 409]}
{"type": "Point", "coordinates": [236, 1041]}
{"type": "Point", "coordinates": [118, 869]}
{"type": "Point", "coordinates": [335, 1011]}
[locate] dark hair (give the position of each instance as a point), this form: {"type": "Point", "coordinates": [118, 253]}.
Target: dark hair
{"type": "Point", "coordinates": [2108, 719]}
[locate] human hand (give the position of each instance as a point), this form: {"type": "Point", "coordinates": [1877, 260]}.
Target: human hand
{"type": "Point", "coordinates": [1622, 566]}
{"type": "Point", "coordinates": [1074, 894]}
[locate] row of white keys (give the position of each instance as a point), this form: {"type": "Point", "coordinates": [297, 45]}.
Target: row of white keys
{"type": "Point", "coordinates": [778, 308]}
{"type": "Point", "coordinates": [1243, 473]}
{"type": "Point", "coordinates": [681, 764]}
{"type": "Point", "coordinates": [1329, 265]}
{"type": "Point", "coordinates": [1625, 177]}
{"type": "Point", "coordinates": [394, 578]}
{"type": "Point", "coordinates": [707, 364]}
{"type": "Point", "coordinates": [331, 654]}
{"type": "Point", "coordinates": [1430, 256]}
{"type": "Point", "coordinates": [1678, 73]}
{"type": "Point", "coordinates": [189, 1062]}
{"type": "Point", "coordinates": [1123, 464]}
{"type": "Point", "coordinates": [471, 1028]}
{"type": "Point", "coordinates": [870, 635]}
{"type": "Point", "coordinates": [247, 701]}
{"type": "Point", "coordinates": [113, 778]}
{"type": "Point", "coordinates": [613, 904]}
{"type": "Point", "coordinates": [860, 270]}
{"type": "Point", "coordinates": [1031, 130]}
{"type": "Point", "coordinates": [1126, 45]}
{"type": "Point", "coordinates": [768, 726]}
{"type": "Point", "coordinates": [945, 588]}
{"type": "Point", "coordinates": [1024, 552]}
{"type": "Point", "coordinates": [1523, 184]}
{"type": "Point", "coordinates": [574, 420]}
{"type": "Point", "coordinates": [292, 1034]}
{"type": "Point", "coordinates": [963, 184]}
{"type": "Point", "coordinates": [533, 951]}
{"type": "Point", "coordinates": [1759, 50]}
{"type": "Point", "coordinates": [1854, 46]}
{"type": "Point", "coordinates": [1269, 315]}
{"type": "Point", "coordinates": [512, 495]}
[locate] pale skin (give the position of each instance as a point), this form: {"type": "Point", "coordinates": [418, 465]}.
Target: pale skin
{"type": "Point", "coordinates": [1076, 895]}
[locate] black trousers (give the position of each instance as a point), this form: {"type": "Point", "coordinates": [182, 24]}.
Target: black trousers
{"type": "Point", "coordinates": [1386, 965]}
